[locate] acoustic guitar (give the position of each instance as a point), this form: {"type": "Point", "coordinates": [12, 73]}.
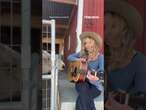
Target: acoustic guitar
{"type": "Point", "coordinates": [77, 71]}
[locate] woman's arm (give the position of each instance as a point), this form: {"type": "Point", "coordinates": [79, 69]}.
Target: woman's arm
{"type": "Point", "coordinates": [73, 57]}
{"type": "Point", "coordinates": [101, 64]}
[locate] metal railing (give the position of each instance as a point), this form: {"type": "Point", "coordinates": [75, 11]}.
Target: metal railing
{"type": "Point", "coordinates": [54, 71]}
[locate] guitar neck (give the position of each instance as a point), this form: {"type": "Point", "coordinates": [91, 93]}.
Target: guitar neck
{"type": "Point", "coordinates": [132, 100]}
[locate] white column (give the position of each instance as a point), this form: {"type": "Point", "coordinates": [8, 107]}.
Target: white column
{"type": "Point", "coordinates": [79, 23]}
{"type": "Point", "coordinates": [53, 64]}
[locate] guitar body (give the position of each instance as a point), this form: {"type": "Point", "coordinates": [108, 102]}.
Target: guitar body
{"type": "Point", "coordinates": [77, 71]}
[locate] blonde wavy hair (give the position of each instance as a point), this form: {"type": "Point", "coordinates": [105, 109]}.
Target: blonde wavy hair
{"type": "Point", "coordinates": [95, 37]}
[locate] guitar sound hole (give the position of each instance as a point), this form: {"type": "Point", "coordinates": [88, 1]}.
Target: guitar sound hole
{"type": "Point", "coordinates": [74, 73]}
{"type": "Point", "coordinates": [93, 73]}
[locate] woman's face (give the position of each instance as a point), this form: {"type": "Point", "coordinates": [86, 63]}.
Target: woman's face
{"type": "Point", "coordinates": [113, 30]}
{"type": "Point", "coordinates": [89, 44]}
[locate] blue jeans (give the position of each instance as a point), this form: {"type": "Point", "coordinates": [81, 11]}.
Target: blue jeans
{"type": "Point", "coordinates": [86, 94]}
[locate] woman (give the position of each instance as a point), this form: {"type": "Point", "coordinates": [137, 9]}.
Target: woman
{"type": "Point", "coordinates": [125, 67]}
{"type": "Point", "coordinates": [91, 88]}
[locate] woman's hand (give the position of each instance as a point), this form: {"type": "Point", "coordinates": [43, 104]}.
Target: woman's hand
{"type": "Point", "coordinates": [112, 104]}
{"type": "Point", "coordinates": [91, 77]}
{"type": "Point", "coordinates": [83, 59]}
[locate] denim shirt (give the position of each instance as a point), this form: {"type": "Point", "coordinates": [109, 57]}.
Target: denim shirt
{"type": "Point", "coordinates": [97, 65]}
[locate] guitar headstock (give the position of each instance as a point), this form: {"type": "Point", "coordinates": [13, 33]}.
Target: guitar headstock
{"type": "Point", "coordinates": [99, 74]}
{"type": "Point", "coordinates": [121, 96]}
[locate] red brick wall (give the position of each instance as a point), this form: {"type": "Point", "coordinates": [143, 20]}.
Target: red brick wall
{"type": "Point", "coordinates": [93, 19]}
{"type": "Point", "coordinates": [94, 9]}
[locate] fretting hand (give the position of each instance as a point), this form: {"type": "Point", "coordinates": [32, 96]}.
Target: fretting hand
{"type": "Point", "coordinates": [82, 59]}
{"type": "Point", "coordinates": [112, 104]}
